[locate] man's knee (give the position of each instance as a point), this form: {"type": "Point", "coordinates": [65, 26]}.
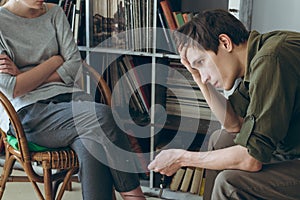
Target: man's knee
{"type": "Point", "coordinates": [225, 184]}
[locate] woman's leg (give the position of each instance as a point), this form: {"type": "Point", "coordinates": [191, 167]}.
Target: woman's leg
{"type": "Point", "coordinates": [61, 124]}
{"type": "Point", "coordinates": [119, 156]}
{"type": "Point", "coordinates": [52, 125]}
{"type": "Point", "coordinates": [95, 177]}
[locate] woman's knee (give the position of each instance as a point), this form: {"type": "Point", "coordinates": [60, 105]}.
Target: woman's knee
{"type": "Point", "coordinates": [221, 139]}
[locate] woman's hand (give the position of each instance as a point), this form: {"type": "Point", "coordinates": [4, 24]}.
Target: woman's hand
{"type": "Point", "coordinates": [167, 161]}
{"type": "Point", "coordinates": [36, 76]}
{"type": "Point", "coordinates": [7, 66]}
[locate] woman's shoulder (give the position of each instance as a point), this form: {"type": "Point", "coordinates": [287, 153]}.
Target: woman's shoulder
{"type": "Point", "coordinates": [51, 5]}
{"type": "Point", "coordinates": [54, 9]}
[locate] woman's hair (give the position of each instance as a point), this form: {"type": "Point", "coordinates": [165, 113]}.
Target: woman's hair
{"type": "Point", "coordinates": [204, 29]}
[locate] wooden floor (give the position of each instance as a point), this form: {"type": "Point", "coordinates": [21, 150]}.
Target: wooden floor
{"type": "Point", "coordinates": [24, 191]}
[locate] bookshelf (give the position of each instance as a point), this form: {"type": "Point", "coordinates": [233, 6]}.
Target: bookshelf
{"type": "Point", "coordinates": [138, 30]}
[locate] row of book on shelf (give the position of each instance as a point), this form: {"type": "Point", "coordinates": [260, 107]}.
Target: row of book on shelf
{"type": "Point", "coordinates": [128, 24]}
{"type": "Point", "coordinates": [125, 80]}
{"type": "Point", "coordinates": [169, 19]}
{"type": "Point", "coordinates": [123, 24]}
{"type": "Point", "coordinates": [189, 179]}
{"type": "Point", "coordinates": [174, 19]}
{"type": "Point", "coordinates": [183, 97]}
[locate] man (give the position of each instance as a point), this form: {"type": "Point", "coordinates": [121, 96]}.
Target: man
{"type": "Point", "coordinates": [257, 154]}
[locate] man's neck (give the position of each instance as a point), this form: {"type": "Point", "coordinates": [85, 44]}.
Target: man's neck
{"type": "Point", "coordinates": [243, 57]}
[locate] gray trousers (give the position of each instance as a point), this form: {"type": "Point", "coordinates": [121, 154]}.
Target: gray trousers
{"type": "Point", "coordinates": [277, 180]}
{"type": "Point", "coordinates": [67, 120]}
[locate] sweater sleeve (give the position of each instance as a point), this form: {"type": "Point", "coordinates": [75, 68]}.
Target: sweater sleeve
{"type": "Point", "coordinates": [7, 84]}
{"type": "Point", "coordinates": [67, 48]}
{"type": "Point", "coordinates": [7, 81]}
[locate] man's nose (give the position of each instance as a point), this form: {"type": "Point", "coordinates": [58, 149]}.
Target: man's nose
{"type": "Point", "coordinates": [204, 78]}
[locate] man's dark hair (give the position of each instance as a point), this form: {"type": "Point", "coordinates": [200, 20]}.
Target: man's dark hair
{"type": "Point", "coordinates": [204, 29]}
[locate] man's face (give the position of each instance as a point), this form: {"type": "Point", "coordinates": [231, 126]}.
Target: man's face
{"type": "Point", "coordinates": [212, 68]}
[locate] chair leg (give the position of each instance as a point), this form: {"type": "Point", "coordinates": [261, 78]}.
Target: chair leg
{"type": "Point", "coordinates": [7, 170]}
{"type": "Point", "coordinates": [2, 146]}
{"type": "Point", "coordinates": [69, 186]}
{"type": "Point", "coordinates": [37, 189]}
{"type": "Point", "coordinates": [47, 181]}
{"type": "Point", "coordinates": [66, 183]}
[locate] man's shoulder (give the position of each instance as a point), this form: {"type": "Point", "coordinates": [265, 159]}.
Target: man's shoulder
{"type": "Point", "coordinates": [272, 44]}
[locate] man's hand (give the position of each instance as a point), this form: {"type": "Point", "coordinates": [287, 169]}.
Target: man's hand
{"type": "Point", "coordinates": [7, 66]}
{"type": "Point", "coordinates": [195, 73]}
{"type": "Point", "coordinates": [167, 161]}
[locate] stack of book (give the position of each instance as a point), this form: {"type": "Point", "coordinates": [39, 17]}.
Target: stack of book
{"type": "Point", "coordinates": [184, 98]}
{"type": "Point", "coordinates": [189, 179]}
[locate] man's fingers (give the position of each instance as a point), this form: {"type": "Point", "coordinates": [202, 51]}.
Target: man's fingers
{"type": "Point", "coordinates": [184, 60]}
{"type": "Point", "coordinates": [182, 51]}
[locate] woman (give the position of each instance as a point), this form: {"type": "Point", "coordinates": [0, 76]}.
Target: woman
{"type": "Point", "coordinates": [38, 70]}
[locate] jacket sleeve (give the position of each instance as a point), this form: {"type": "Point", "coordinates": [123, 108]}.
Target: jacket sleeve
{"type": "Point", "coordinates": [268, 115]}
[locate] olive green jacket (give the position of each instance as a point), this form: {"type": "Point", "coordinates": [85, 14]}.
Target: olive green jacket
{"type": "Point", "coordinates": [268, 98]}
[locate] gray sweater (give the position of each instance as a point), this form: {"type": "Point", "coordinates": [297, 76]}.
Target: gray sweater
{"type": "Point", "coordinates": [29, 42]}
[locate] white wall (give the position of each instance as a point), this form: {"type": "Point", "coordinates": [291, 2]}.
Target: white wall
{"type": "Point", "coordinates": [271, 15]}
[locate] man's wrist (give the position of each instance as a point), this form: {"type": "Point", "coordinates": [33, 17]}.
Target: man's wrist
{"type": "Point", "coordinates": [185, 159]}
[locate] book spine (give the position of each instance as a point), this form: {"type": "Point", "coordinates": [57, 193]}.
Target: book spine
{"type": "Point", "coordinates": [197, 179]}
{"type": "Point", "coordinates": [176, 180]}
{"type": "Point", "coordinates": [76, 23]}
{"type": "Point", "coordinates": [187, 179]}
{"type": "Point", "coordinates": [168, 15]}
{"type": "Point", "coordinates": [180, 19]}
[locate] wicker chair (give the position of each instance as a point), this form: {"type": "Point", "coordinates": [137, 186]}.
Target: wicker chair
{"type": "Point", "coordinates": [64, 162]}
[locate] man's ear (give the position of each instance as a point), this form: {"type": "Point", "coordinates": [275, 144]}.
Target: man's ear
{"type": "Point", "coordinates": [225, 42]}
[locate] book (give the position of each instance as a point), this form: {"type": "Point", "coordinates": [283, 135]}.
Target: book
{"type": "Point", "coordinates": [202, 187]}
{"type": "Point", "coordinates": [187, 179]}
{"type": "Point", "coordinates": [136, 98]}
{"type": "Point", "coordinates": [165, 31]}
{"type": "Point", "coordinates": [197, 179]}
{"type": "Point", "coordinates": [136, 82]}
{"type": "Point", "coordinates": [177, 179]}
{"type": "Point", "coordinates": [180, 19]}
{"type": "Point", "coordinates": [187, 17]}
{"type": "Point", "coordinates": [76, 22]}
{"type": "Point", "coordinates": [168, 14]}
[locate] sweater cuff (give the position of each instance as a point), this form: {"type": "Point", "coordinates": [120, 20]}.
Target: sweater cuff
{"type": "Point", "coordinates": [64, 76]}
